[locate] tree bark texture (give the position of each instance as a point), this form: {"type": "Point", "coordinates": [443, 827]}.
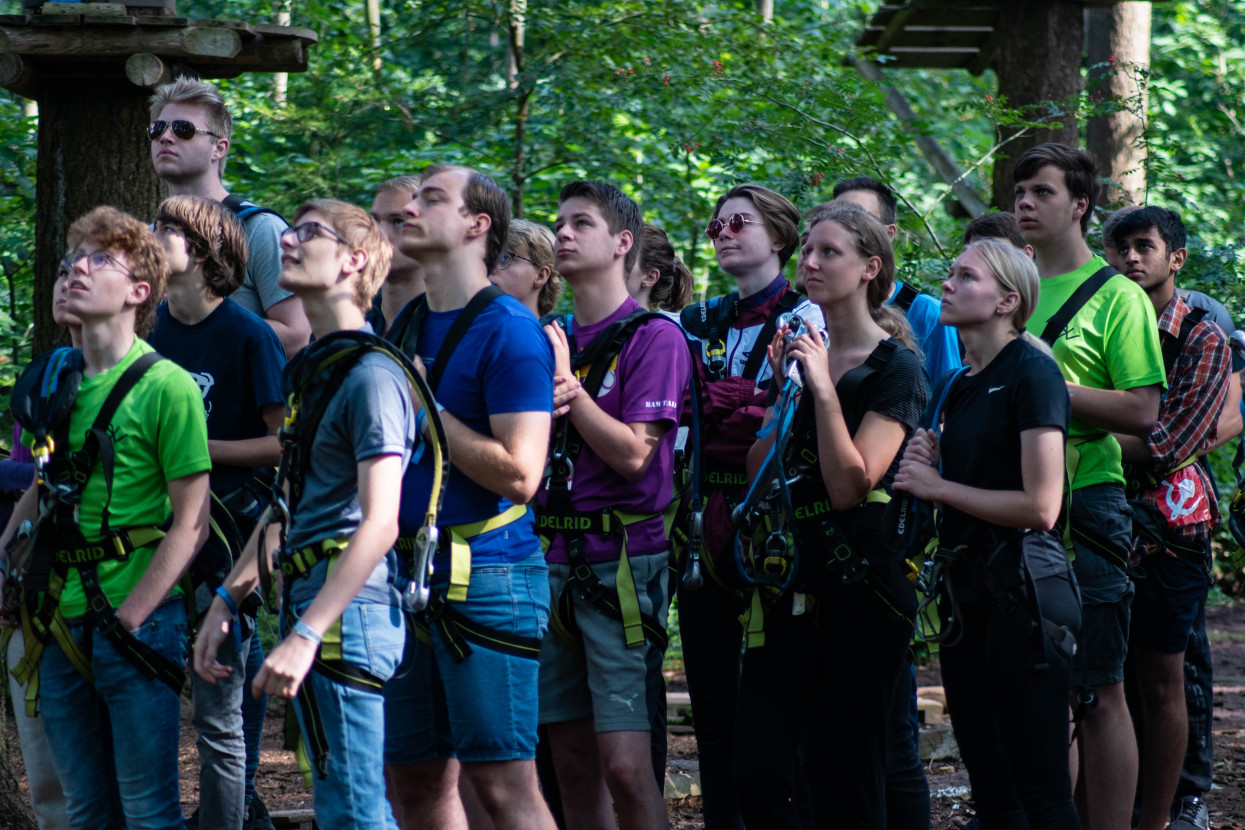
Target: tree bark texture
{"type": "Point", "coordinates": [1039, 64]}
{"type": "Point", "coordinates": [1119, 53]}
{"type": "Point", "coordinates": [93, 150]}
{"type": "Point", "coordinates": [13, 807]}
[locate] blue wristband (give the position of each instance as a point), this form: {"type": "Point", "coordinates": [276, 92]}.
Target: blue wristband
{"type": "Point", "coordinates": [229, 603]}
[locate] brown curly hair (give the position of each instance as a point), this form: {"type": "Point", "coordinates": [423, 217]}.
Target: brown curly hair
{"type": "Point", "coordinates": [117, 231]}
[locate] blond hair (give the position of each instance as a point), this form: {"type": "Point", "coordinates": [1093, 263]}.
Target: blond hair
{"type": "Point", "coordinates": [1015, 273]}
{"type": "Point", "coordinates": [359, 229]}
{"type": "Point", "coordinates": [536, 242]}
{"type": "Point", "coordinates": [197, 94]}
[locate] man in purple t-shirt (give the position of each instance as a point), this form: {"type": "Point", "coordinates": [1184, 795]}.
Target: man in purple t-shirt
{"type": "Point", "coordinates": [610, 479]}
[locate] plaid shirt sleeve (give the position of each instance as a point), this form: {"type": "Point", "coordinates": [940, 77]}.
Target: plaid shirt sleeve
{"type": "Point", "coordinates": [1196, 389]}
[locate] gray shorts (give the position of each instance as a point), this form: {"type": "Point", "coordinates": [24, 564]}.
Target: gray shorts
{"type": "Point", "coordinates": [1102, 514]}
{"type": "Point", "coordinates": [604, 679]}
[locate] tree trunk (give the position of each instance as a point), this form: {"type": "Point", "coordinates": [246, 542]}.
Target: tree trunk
{"type": "Point", "coordinates": [766, 8]}
{"type": "Point", "coordinates": [1039, 63]}
{"type": "Point", "coordinates": [1119, 50]}
{"type": "Point", "coordinates": [13, 807]}
{"type": "Point", "coordinates": [517, 26]}
{"type": "Point", "coordinates": [93, 150]}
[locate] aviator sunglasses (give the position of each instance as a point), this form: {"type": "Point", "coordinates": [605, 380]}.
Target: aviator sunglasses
{"type": "Point", "coordinates": [735, 222]}
{"type": "Point", "coordinates": [185, 130]}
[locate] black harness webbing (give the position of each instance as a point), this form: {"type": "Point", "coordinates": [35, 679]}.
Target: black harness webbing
{"type": "Point", "coordinates": [905, 297]}
{"type": "Point", "coordinates": [1086, 290]}
{"type": "Point", "coordinates": [49, 564]}
{"type": "Point", "coordinates": [456, 628]}
{"type": "Point", "coordinates": [560, 518]}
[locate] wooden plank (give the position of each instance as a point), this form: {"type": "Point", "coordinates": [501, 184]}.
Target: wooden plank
{"type": "Point", "coordinates": [286, 31]}
{"type": "Point", "coordinates": [924, 59]}
{"type": "Point", "coordinates": [268, 54]}
{"type": "Point", "coordinates": [147, 70]}
{"type": "Point", "coordinates": [17, 76]}
{"type": "Point", "coordinates": [94, 42]}
{"type": "Point", "coordinates": [55, 19]}
{"type": "Point", "coordinates": [14, 19]}
{"type": "Point", "coordinates": [107, 20]}
{"type": "Point", "coordinates": [946, 38]}
{"type": "Point", "coordinates": [152, 20]}
{"type": "Point", "coordinates": [964, 16]}
{"type": "Point", "coordinates": [241, 26]}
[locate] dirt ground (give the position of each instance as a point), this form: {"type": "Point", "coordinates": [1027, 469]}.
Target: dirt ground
{"type": "Point", "coordinates": [281, 786]}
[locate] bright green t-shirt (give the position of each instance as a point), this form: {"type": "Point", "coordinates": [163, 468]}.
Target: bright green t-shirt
{"type": "Point", "coordinates": [159, 434]}
{"type": "Point", "coordinates": [1111, 343]}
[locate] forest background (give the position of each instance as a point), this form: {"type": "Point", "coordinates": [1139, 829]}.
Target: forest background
{"type": "Point", "coordinates": [674, 101]}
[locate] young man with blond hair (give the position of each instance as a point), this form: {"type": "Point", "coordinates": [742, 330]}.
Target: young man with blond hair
{"type": "Point", "coordinates": [338, 559]}
{"type": "Point", "coordinates": [190, 132]}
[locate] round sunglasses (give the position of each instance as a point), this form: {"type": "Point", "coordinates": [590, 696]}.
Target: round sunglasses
{"type": "Point", "coordinates": [185, 130]}
{"type": "Point", "coordinates": [735, 222]}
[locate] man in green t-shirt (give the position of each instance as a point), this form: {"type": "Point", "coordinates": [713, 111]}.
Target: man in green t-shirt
{"type": "Point", "coordinates": [121, 615]}
{"type": "Point", "coordinates": [1109, 353]}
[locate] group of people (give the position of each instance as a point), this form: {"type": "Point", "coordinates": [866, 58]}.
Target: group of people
{"type": "Point", "coordinates": [480, 510]}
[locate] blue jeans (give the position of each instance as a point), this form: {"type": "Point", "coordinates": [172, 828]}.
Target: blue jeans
{"type": "Point", "coordinates": [484, 708]}
{"type": "Point", "coordinates": [46, 796]}
{"type": "Point", "coordinates": [353, 793]}
{"type": "Point", "coordinates": [114, 743]}
{"type": "Point", "coordinates": [217, 719]}
{"type": "Point", "coordinates": [253, 712]}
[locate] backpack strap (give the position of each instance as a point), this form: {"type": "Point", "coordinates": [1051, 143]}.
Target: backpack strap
{"type": "Point", "coordinates": [244, 209]}
{"type": "Point", "coordinates": [787, 302]}
{"type": "Point", "coordinates": [1086, 290]}
{"type": "Point", "coordinates": [408, 337]}
{"type": "Point", "coordinates": [905, 297]}
{"type": "Point", "coordinates": [1173, 346]}
{"type": "Point", "coordinates": [98, 441]}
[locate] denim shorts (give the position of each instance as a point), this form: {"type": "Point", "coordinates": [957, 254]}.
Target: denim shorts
{"type": "Point", "coordinates": [484, 708]}
{"type": "Point", "coordinates": [604, 679]}
{"type": "Point", "coordinates": [1170, 593]}
{"type": "Point", "coordinates": [1106, 590]}
{"type": "Point", "coordinates": [353, 793]}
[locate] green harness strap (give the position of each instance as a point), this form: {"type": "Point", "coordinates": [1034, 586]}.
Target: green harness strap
{"type": "Point", "coordinates": [621, 603]}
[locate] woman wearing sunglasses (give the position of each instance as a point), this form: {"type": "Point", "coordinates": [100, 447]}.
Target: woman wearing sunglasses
{"type": "Point", "coordinates": [1005, 660]}
{"type": "Point", "coordinates": [754, 232]}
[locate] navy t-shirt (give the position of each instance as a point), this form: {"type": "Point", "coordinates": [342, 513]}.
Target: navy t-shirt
{"type": "Point", "coordinates": [503, 364]}
{"type": "Point", "coordinates": [984, 415]}
{"type": "Point", "coordinates": [237, 360]}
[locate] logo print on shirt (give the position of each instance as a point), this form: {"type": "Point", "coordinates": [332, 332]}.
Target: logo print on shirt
{"type": "Point", "coordinates": [992, 389]}
{"type": "Point", "coordinates": [615, 697]}
{"type": "Point", "coordinates": [206, 382]}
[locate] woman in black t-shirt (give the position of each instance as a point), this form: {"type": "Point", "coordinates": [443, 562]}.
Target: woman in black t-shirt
{"type": "Point", "coordinates": [1005, 655]}
{"type": "Point", "coordinates": [819, 686]}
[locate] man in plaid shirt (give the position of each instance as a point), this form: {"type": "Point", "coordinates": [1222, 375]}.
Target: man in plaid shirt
{"type": "Point", "coordinates": [1173, 500]}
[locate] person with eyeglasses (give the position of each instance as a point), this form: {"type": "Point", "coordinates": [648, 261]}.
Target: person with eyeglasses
{"type": "Point", "coordinates": [345, 521]}
{"type": "Point", "coordinates": [112, 724]}
{"type": "Point", "coordinates": [526, 269]}
{"type": "Point", "coordinates": [405, 283]}
{"type": "Point", "coordinates": [754, 231]}
{"type": "Point", "coordinates": [191, 130]}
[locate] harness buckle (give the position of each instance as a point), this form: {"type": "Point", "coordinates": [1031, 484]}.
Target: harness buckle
{"type": "Point", "coordinates": [696, 528]}
{"type": "Point", "coordinates": [418, 592]}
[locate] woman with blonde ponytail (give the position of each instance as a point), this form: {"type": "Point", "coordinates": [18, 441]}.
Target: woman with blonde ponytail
{"type": "Point", "coordinates": [998, 472]}
{"type": "Point", "coordinates": [836, 633]}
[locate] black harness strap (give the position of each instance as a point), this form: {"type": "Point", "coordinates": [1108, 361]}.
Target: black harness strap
{"type": "Point", "coordinates": [410, 331]}
{"type": "Point", "coordinates": [584, 581]}
{"type": "Point", "coordinates": [1086, 290]}
{"type": "Point", "coordinates": [787, 302]}
{"type": "Point", "coordinates": [905, 297]}
{"type": "Point", "coordinates": [1173, 346]}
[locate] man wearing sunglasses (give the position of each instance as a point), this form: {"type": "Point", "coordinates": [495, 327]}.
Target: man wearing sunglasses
{"type": "Point", "coordinates": [190, 134]}
{"type": "Point", "coordinates": [754, 231]}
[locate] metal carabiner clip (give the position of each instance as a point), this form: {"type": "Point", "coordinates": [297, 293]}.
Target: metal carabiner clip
{"type": "Point", "coordinates": [418, 592]}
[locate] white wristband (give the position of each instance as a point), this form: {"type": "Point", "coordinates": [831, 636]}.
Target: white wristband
{"type": "Point", "coordinates": [307, 632]}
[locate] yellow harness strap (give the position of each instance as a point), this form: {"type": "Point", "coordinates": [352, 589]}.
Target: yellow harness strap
{"type": "Point", "coordinates": [460, 547]}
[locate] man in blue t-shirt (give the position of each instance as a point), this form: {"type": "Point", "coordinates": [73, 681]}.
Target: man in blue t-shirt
{"type": "Point", "coordinates": [236, 360]}
{"type": "Point", "coordinates": [469, 702]}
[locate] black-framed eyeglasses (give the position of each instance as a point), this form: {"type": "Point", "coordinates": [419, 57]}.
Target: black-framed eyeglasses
{"type": "Point", "coordinates": [307, 231]}
{"type": "Point", "coordinates": [95, 260]}
{"type": "Point", "coordinates": [507, 259]}
{"type": "Point", "coordinates": [185, 130]}
{"type": "Point", "coordinates": [735, 222]}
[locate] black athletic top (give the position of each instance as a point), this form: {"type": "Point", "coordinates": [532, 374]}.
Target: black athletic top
{"type": "Point", "coordinates": [984, 415]}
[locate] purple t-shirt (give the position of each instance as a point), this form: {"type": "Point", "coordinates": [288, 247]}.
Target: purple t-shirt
{"type": "Point", "coordinates": [647, 384]}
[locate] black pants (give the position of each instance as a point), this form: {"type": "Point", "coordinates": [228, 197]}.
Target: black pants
{"type": "Point", "coordinates": [907, 789]}
{"type": "Point", "coordinates": [1197, 773]}
{"type": "Point", "coordinates": [712, 645]}
{"type": "Point", "coordinates": [1011, 722]}
{"type": "Point", "coordinates": [826, 682]}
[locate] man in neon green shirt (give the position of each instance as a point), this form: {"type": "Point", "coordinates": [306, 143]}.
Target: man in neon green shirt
{"type": "Point", "coordinates": [1110, 355]}
{"type": "Point", "coordinates": [113, 735]}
